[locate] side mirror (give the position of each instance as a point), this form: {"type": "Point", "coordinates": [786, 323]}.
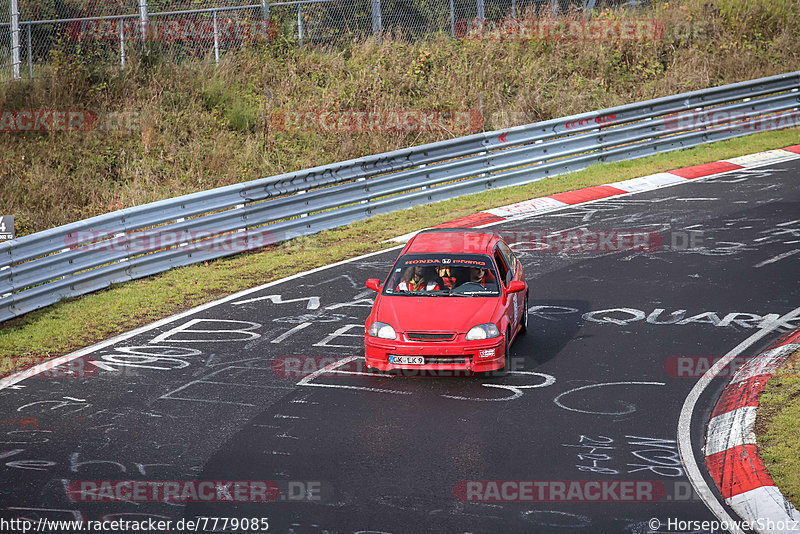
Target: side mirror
{"type": "Point", "coordinates": [515, 286]}
{"type": "Point", "coordinates": [374, 284]}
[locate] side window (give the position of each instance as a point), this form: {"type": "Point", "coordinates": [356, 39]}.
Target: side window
{"type": "Point", "coordinates": [509, 257]}
{"type": "Point", "coordinates": [501, 267]}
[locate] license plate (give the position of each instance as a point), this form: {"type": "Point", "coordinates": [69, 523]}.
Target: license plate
{"type": "Point", "coordinates": [407, 360]}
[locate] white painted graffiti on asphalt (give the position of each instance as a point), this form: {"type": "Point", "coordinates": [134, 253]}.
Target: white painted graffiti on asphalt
{"type": "Point", "coordinates": [660, 316]}
{"type": "Point", "coordinates": [172, 349]}
{"type": "Point", "coordinates": [531, 379]}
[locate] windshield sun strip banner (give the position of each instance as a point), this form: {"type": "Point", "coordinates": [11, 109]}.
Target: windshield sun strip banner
{"type": "Point", "coordinates": [437, 262]}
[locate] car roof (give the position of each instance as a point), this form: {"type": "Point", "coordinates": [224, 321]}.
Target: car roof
{"type": "Point", "coordinates": [450, 240]}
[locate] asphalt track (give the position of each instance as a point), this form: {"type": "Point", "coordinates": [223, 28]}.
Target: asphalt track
{"type": "Point", "coordinates": [593, 396]}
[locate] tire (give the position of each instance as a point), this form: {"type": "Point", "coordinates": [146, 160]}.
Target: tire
{"type": "Point", "coordinates": [369, 368]}
{"type": "Point", "coordinates": [503, 371]}
{"type": "Point", "coordinates": [523, 324]}
{"type": "Point", "coordinates": [506, 367]}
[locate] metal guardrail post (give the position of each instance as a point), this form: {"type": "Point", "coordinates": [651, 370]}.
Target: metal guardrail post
{"type": "Point", "coordinates": [377, 23]}
{"type": "Point", "coordinates": [30, 52]}
{"type": "Point", "coordinates": [15, 61]}
{"type": "Point", "coordinates": [121, 43]}
{"type": "Point", "coordinates": [216, 38]}
{"type": "Point", "coordinates": [481, 15]}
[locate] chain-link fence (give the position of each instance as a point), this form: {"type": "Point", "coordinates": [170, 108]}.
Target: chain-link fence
{"type": "Point", "coordinates": [43, 34]}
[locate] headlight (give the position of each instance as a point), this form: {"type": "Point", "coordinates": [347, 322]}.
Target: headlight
{"type": "Point", "coordinates": [483, 331]}
{"type": "Point", "coordinates": [381, 330]}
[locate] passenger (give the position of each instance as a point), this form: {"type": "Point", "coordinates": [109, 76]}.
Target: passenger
{"type": "Point", "coordinates": [418, 278]}
{"type": "Point", "coordinates": [447, 276]}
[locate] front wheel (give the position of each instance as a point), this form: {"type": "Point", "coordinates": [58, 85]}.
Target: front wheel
{"type": "Point", "coordinates": [371, 370]}
{"type": "Point", "coordinates": [523, 324]}
{"type": "Point", "coordinates": [507, 357]}
{"type": "Point", "coordinates": [506, 364]}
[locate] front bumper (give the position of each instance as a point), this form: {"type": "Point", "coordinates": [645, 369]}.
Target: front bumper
{"type": "Point", "coordinates": [439, 356]}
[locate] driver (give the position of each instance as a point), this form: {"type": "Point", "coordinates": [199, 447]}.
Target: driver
{"type": "Point", "coordinates": [482, 276]}
{"type": "Point", "coordinates": [418, 278]}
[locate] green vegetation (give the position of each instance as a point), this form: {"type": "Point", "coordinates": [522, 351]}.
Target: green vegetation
{"type": "Point", "coordinates": [200, 125]}
{"type": "Point", "coordinates": [778, 428]}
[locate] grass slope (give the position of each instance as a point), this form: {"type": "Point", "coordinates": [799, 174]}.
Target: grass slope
{"type": "Point", "coordinates": [196, 125]}
{"type": "Point", "coordinates": [778, 428]}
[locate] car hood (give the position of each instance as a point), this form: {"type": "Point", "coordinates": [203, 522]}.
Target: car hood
{"type": "Point", "coordinates": [436, 314]}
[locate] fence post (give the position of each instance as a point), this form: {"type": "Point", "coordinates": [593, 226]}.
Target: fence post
{"type": "Point", "coordinates": [554, 8]}
{"type": "Point", "coordinates": [15, 61]}
{"type": "Point", "coordinates": [122, 43]}
{"type": "Point", "coordinates": [144, 19]}
{"type": "Point", "coordinates": [514, 9]}
{"type": "Point", "coordinates": [377, 23]}
{"type": "Point", "coordinates": [30, 52]}
{"type": "Point", "coordinates": [480, 9]}
{"type": "Point", "coordinates": [452, 20]}
{"type": "Point", "coordinates": [265, 9]}
{"type": "Point", "coordinates": [300, 23]}
{"type": "Point", "coordinates": [216, 38]}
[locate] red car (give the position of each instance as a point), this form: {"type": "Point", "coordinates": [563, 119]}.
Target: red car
{"type": "Point", "coordinates": [455, 300]}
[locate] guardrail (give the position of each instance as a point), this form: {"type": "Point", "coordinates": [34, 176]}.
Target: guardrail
{"type": "Point", "coordinates": [42, 268]}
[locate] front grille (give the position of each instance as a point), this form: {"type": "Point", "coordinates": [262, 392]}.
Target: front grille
{"type": "Point", "coordinates": [430, 336]}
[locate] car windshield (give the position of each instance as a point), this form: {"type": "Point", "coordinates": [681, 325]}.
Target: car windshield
{"type": "Point", "coordinates": [442, 275]}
